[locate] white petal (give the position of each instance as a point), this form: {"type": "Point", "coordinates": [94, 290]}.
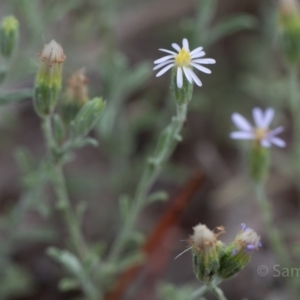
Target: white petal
{"type": "Point", "coordinates": [201, 68]}
{"type": "Point", "coordinates": [158, 61]}
{"type": "Point", "coordinates": [265, 143]}
{"type": "Point", "coordinates": [242, 135]}
{"type": "Point", "coordinates": [240, 122]}
{"type": "Point", "coordinates": [196, 50]}
{"type": "Point", "coordinates": [185, 44]}
{"type": "Point", "coordinates": [162, 64]}
{"type": "Point", "coordinates": [278, 142]}
{"type": "Point", "coordinates": [204, 61]}
{"type": "Point", "coordinates": [179, 78]}
{"type": "Point", "coordinates": [276, 131]}
{"type": "Point", "coordinates": [258, 117]}
{"type": "Point", "coordinates": [187, 74]}
{"type": "Point", "coordinates": [195, 77]}
{"type": "Point", "coordinates": [176, 47]}
{"type": "Point", "coordinates": [168, 51]}
{"type": "Point", "coordinates": [164, 70]}
{"type": "Point", "coordinates": [268, 118]}
{"type": "Point", "coordinates": [197, 55]}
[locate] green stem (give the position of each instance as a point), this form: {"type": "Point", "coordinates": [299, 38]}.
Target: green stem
{"type": "Point", "coordinates": [167, 142]}
{"type": "Point", "coordinates": [49, 139]}
{"type": "Point", "coordinates": [213, 287]}
{"type": "Point", "coordinates": [64, 205]}
{"type": "Point", "coordinates": [199, 292]}
{"type": "Point", "coordinates": [294, 105]}
{"type": "Point", "coordinates": [274, 235]}
{"type": "Point", "coordinates": [217, 291]}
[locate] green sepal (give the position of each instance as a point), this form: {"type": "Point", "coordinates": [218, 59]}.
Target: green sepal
{"type": "Point", "coordinates": [58, 129]}
{"type": "Point", "coordinates": [259, 162]}
{"type": "Point", "coordinates": [45, 99]}
{"type": "Point", "coordinates": [184, 94]}
{"type": "Point", "coordinates": [231, 263]}
{"type": "Point", "coordinates": [206, 264]}
{"type": "Point", "coordinates": [69, 110]}
{"type": "Point", "coordinates": [87, 117]}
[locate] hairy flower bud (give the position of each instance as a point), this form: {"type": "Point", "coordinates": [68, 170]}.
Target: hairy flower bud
{"type": "Point", "coordinates": [206, 250]}
{"type": "Point", "coordinates": [237, 255]}
{"type": "Point", "coordinates": [76, 95]}
{"type": "Point", "coordinates": [9, 35]}
{"type": "Point", "coordinates": [87, 117]}
{"type": "Point", "coordinates": [49, 78]}
{"type": "Point", "coordinates": [289, 29]}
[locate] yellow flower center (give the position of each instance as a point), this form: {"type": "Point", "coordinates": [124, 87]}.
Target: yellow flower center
{"type": "Point", "coordinates": [183, 58]}
{"type": "Point", "coordinates": [261, 133]}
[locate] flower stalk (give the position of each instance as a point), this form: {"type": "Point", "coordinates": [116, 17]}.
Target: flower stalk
{"type": "Point", "coordinates": [212, 287]}
{"type": "Point", "coordinates": [183, 78]}
{"type": "Point", "coordinates": [275, 237]}
{"type": "Point", "coordinates": [168, 140]}
{"type": "Point", "coordinates": [63, 202]}
{"type": "Point", "coordinates": [217, 291]}
{"type": "Point", "coordinates": [294, 106]}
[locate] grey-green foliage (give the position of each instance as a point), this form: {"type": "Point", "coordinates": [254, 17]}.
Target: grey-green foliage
{"type": "Point", "coordinates": [170, 291]}
{"type": "Point", "coordinates": [75, 267]}
{"type": "Point", "coordinates": [87, 117]}
{"type": "Point", "coordinates": [59, 129]}
{"type": "Point", "coordinates": [34, 180]}
{"type": "Point", "coordinates": [15, 96]}
{"type": "Point", "coordinates": [120, 80]}
{"type": "Point", "coordinates": [14, 281]}
{"type": "Point", "coordinates": [201, 28]}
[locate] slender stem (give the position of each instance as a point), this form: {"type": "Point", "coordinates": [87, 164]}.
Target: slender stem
{"type": "Point", "coordinates": [217, 291]}
{"type": "Point", "coordinates": [71, 220]}
{"type": "Point", "coordinates": [64, 205]}
{"type": "Point", "coordinates": [60, 188]}
{"type": "Point", "coordinates": [49, 139]}
{"type": "Point", "coordinates": [274, 235]}
{"type": "Point", "coordinates": [294, 105]}
{"type": "Point", "coordinates": [167, 142]}
{"type": "Point", "coordinates": [213, 287]}
{"type": "Point", "coordinates": [199, 292]}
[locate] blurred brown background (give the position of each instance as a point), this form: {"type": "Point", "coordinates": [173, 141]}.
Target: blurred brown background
{"type": "Point", "coordinates": [248, 66]}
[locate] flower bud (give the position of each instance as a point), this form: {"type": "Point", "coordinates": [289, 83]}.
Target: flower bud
{"type": "Point", "coordinates": [87, 117]}
{"type": "Point", "coordinates": [76, 95]}
{"type": "Point", "coordinates": [9, 35]}
{"type": "Point", "coordinates": [184, 94]}
{"type": "Point", "coordinates": [49, 78]}
{"type": "Point", "coordinates": [59, 131]}
{"type": "Point", "coordinates": [259, 162]}
{"type": "Point", "coordinates": [206, 250]}
{"type": "Point", "coordinates": [289, 29]}
{"type": "Point", "coordinates": [237, 255]}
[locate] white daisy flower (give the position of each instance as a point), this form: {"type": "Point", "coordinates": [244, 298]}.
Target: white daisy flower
{"type": "Point", "coordinates": [185, 60]}
{"type": "Point", "coordinates": [260, 132]}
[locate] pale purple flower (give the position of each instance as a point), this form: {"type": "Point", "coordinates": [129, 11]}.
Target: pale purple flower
{"type": "Point", "coordinates": [184, 61]}
{"type": "Point", "coordinates": [246, 239]}
{"type": "Point", "coordinates": [260, 132]}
